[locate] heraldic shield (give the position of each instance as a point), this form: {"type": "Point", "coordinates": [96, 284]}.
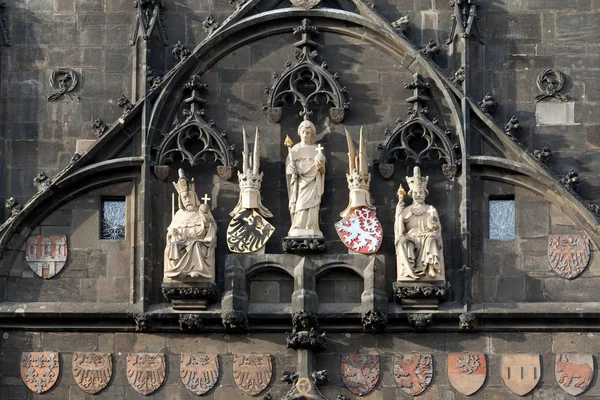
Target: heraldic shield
{"type": "Point", "coordinates": [361, 232]}
{"type": "Point", "coordinates": [145, 372]}
{"type": "Point", "coordinates": [92, 371]}
{"type": "Point", "coordinates": [521, 372]}
{"type": "Point", "coordinates": [39, 371]}
{"type": "Point", "coordinates": [199, 372]}
{"type": "Point", "coordinates": [574, 372]}
{"type": "Point", "coordinates": [248, 232]}
{"type": "Point", "coordinates": [360, 372]}
{"type": "Point", "coordinates": [46, 255]}
{"type": "Point", "coordinates": [467, 372]}
{"type": "Point", "coordinates": [252, 372]}
{"type": "Point", "coordinates": [568, 255]}
{"type": "Point", "coordinates": [413, 372]}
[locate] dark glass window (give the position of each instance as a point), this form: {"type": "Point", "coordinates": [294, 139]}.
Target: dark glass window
{"type": "Point", "coordinates": [112, 219]}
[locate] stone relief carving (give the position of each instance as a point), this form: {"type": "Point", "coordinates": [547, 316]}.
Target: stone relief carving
{"type": "Point", "coordinates": [46, 255]}
{"type": "Point", "coordinates": [234, 321]}
{"type": "Point", "coordinates": [191, 237]}
{"type": "Point", "coordinates": [574, 372]}
{"type": "Point", "coordinates": [180, 52]}
{"type": "Point", "coordinates": [194, 139]}
{"type": "Point", "coordinates": [149, 21]}
{"type": "Point", "coordinates": [13, 206]}
{"type": "Point", "coordinates": [467, 372]}
{"type": "Point", "coordinates": [305, 333]}
{"type": "Point", "coordinates": [199, 372]}
{"type": "Point", "coordinates": [467, 322]}
{"type": "Point", "coordinates": [306, 74]}
{"type": "Point", "coordinates": [39, 371]}
{"type": "Point", "coordinates": [190, 323]}
{"type": "Point", "coordinates": [488, 104]}
{"type": "Point", "coordinates": [65, 81]}
{"type": "Point", "coordinates": [569, 255]}
{"type": "Point", "coordinates": [41, 182]}
{"type": "Point", "coordinates": [458, 77]}
{"type": "Point", "coordinates": [305, 173]}
{"type": "Point", "coordinates": [92, 371]}
{"type": "Point", "coordinates": [550, 82]}
{"type": "Point", "coordinates": [401, 25]}
{"type": "Point", "coordinates": [374, 320]}
{"type": "Point", "coordinates": [360, 230]}
{"type": "Point", "coordinates": [210, 24]}
{"type": "Point", "coordinates": [521, 372]}
{"type": "Point", "coordinates": [413, 372]}
{"type": "Point", "coordinates": [145, 372]}
{"type": "Point", "coordinates": [252, 372]}
{"type": "Point", "coordinates": [418, 235]}
{"type": "Point", "coordinates": [571, 180]}
{"type": "Point", "coordinates": [360, 372]}
{"type": "Point", "coordinates": [464, 20]}
{"type": "Point", "coordinates": [430, 49]}
{"type": "Point", "coordinates": [420, 321]}
{"type": "Point", "coordinates": [248, 230]}
{"type": "Point", "coordinates": [143, 322]}
{"type": "Point", "coordinates": [398, 145]}
{"type": "Point", "coordinates": [99, 127]}
{"type": "Point", "coordinates": [512, 126]}
{"type": "Point", "coordinates": [124, 103]}
{"type": "Point", "coordinates": [305, 387]}
{"type": "Point", "coordinates": [543, 155]}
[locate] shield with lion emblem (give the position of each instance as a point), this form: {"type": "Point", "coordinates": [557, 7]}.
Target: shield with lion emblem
{"type": "Point", "coordinates": [569, 255]}
{"type": "Point", "coordinates": [360, 372]}
{"type": "Point", "coordinates": [413, 372]}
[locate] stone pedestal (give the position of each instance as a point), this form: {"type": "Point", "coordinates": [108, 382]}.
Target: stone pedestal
{"type": "Point", "coordinates": [308, 244]}
{"type": "Point", "coordinates": [190, 296]}
{"type": "Point", "coordinates": [420, 295]}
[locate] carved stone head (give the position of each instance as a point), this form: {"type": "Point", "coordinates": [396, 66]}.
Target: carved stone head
{"type": "Point", "coordinates": [418, 185]}
{"type": "Point", "coordinates": [307, 132]}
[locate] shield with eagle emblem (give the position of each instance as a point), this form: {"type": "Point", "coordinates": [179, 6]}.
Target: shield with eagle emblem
{"type": "Point", "coordinates": [252, 372]}
{"type": "Point", "coordinates": [145, 372]}
{"type": "Point", "coordinates": [92, 371]}
{"type": "Point", "coordinates": [248, 232]}
{"type": "Point", "coordinates": [361, 232]}
{"type": "Point", "coordinates": [360, 372]}
{"type": "Point", "coordinates": [199, 372]}
{"type": "Point", "coordinates": [569, 255]}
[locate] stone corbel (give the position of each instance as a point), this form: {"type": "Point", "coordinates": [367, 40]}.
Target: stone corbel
{"type": "Point", "coordinates": [374, 298]}
{"type": "Point", "coordinates": [234, 303]}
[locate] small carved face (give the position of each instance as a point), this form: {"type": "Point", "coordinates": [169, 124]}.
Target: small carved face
{"type": "Point", "coordinates": [307, 132]}
{"type": "Point", "coordinates": [419, 195]}
{"type": "Point", "coordinates": [187, 199]}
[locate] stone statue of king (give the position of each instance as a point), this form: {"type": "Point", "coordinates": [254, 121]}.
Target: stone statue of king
{"type": "Point", "coordinates": [418, 235]}
{"type": "Point", "coordinates": [191, 237]}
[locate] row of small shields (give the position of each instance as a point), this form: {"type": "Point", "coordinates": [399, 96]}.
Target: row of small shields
{"type": "Point", "coordinates": [360, 373]}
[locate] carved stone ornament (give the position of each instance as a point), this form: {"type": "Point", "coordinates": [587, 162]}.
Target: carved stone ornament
{"type": "Point", "coordinates": [39, 371]}
{"type": "Point", "coordinates": [13, 206]}
{"type": "Point", "coordinates": [487, 104]}
{"type": "Point", "coordinates": [249, 231]}
{"type": "Point", "coordinates": [543, 155]}
{"type": "Point", "coordinates": [413, 372]}
{"type": "Point", "coordinates": [304, 245]}
{"type": "Point", "coordinates": [305, 4]}
{"type": "Point", "coordinates": [360, 372]}
{"type": "Point", "coordinates": [458, 77]}
{"type": "Point", "coordinates": [92, 371]}
{"type": "Point", "coordinates": [190, 296]}
{"type": "Point", "coordinates": [65, 81]}
{"type": "Point", "coordinates": [521, 372]}
{"type": "Point", "coordinates": [464, 20]}
{"type": "Point", "coordinates": [46, 255]}
{"type": "Point", "coordinates": [574, 372]}
{"type": "Point", "coordinates": [571, 180]}
{"type": "Point", "coordinates": [99, 127]}
{"type": "Point", "coordinates": [430, 49]}
{"type": "Point", "coordinates": [143, 322]}
{"type": "Point", "coordinates": [568, 255]}
{"type": "Point", "coordinates": [420, 321]}
{"type": "Point", "coordinates": [124, 103]}
{"type": "Point", "coordinates": [190, 323]}
{"type": "Point", "coordinates": [189, 255]}
{"type": "Point", "coordinates": [305, 175]}
{"type": "Point", "coordinates": [374, 320]}
{"type": "Point", "coordinates": [551, 82]}
{"type": "Point", "coordinates": [41, 182]}
{"type": "Point", "coordinates": [400, 143]}
{"type": "Point", "coordinates": [305, 333]}
{"type": "Point", "coordinates": [512, 126]}
{"type": "Point", "coordinates": [306, 83]}
{"type": "Point", "coordinates": [418, 234]}
{"type": "Point", "coordinates": [180, 52]}
{"type": "Point", "coordinates": [148, 21]}
{"type": "Point", "coordinates": [407, 290]}
{"type": "Point", "coordinates": [199, 372]}
{"type": "Point", "coordinates": [195, 140]}
{"type": "Point", "coordinates": [234, 321]}
{"type": "Point", "coordinates": [252, 372]}
{"type": "Point", "coordinates": [305, 387]}
{"type": "Point", "coordinates": [401, 25]}
{"type": "Point", "coordinates": [237, 3]}
{"type": "Point", "coordinates": [145, 372]}
{"type": "Point", "coordinates": [467, 322]}
{"type": "Point", "coordinates": [467, 372]}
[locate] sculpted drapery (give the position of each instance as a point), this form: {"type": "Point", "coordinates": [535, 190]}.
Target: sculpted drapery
{"type": "Point", "coordinates": [418, 235]}
{"type": "Point", "coordinates": [305, 172]}
{"type": "Point", "coordinates": [191, 237]}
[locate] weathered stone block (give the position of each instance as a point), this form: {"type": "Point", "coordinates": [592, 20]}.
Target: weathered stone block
{"type": "Point", "coordinates": [554, 113]}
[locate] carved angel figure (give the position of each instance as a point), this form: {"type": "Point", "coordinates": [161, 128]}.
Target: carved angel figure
{"type": "Point", "coordinates": [305, 172]}
{"type": "Point", "coordinates": [191, 237]}
{"type": "Point", "coordinates": [418, 235]}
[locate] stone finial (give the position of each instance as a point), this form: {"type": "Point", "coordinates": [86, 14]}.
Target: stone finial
{"type": "Point", "coordinates": [571, 180]}
{"type": "Point", "coordinates": [13, 206]}
{"type": "Point", "coordinates": [488, 104]}
{"type": "Point", "coordinates": [401, 25]}
{"type": "Point", "coordinates": [41, 181]}
{"type": "Point", "coordinates": [430, 49]}
{"type": "Point", "coordinates": [180, 52]}
{"type": "Point", "coordinates": [210, 24]}
{"type": "Point", "coordinates": [124, 103]}
{"type": "Point", "coordinates": [99, 127]}
{"type": "Point", "coordinates": [459, 76]}
{"type": "Point", "coordinates": [512, 126]}
{"type": "Point", "coordinates": [543, 155]}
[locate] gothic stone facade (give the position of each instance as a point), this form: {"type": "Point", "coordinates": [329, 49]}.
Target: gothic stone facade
{"type": "Point", "coordinates": [64, 66]}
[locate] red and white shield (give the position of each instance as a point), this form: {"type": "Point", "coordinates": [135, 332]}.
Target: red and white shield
{"type": "Point", "coordinates": [361, 232]}
{"type": "Point", "coordinates": [46, 255]}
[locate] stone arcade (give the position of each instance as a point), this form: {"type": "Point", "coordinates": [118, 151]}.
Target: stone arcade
{"type": "Point", "coordinates": [411, 212]}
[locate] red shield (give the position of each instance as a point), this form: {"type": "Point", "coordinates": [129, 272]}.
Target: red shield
{"type": "Point", "coordinates": [252, 372]}
{"type": "Point", "coordinates": [413, 372]}
{"type": "Point", "coordinates": [568, 254]}
{"type": "Point", "coordinates": [199, 372]}
{"type": "Point", "coordinates": [46, 255]}
{"type": "Point", "coordinates": [467, 372]}
{"type": "Point", "coordinates": [39, 371]}
{"type": "Point", "coordinates": [145, 372]}
{"type": "Point", "coordinates": [361, 232]}
{"type": "Point", "coordinates": [360, 372]}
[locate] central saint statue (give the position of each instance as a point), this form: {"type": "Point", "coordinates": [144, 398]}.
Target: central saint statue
{"type": "Point", "coordinates": [191, 237]}
{"type": "Point", "coordinates": [418, 234]}
{"type": "Point", "coordinates": [305, 172]}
